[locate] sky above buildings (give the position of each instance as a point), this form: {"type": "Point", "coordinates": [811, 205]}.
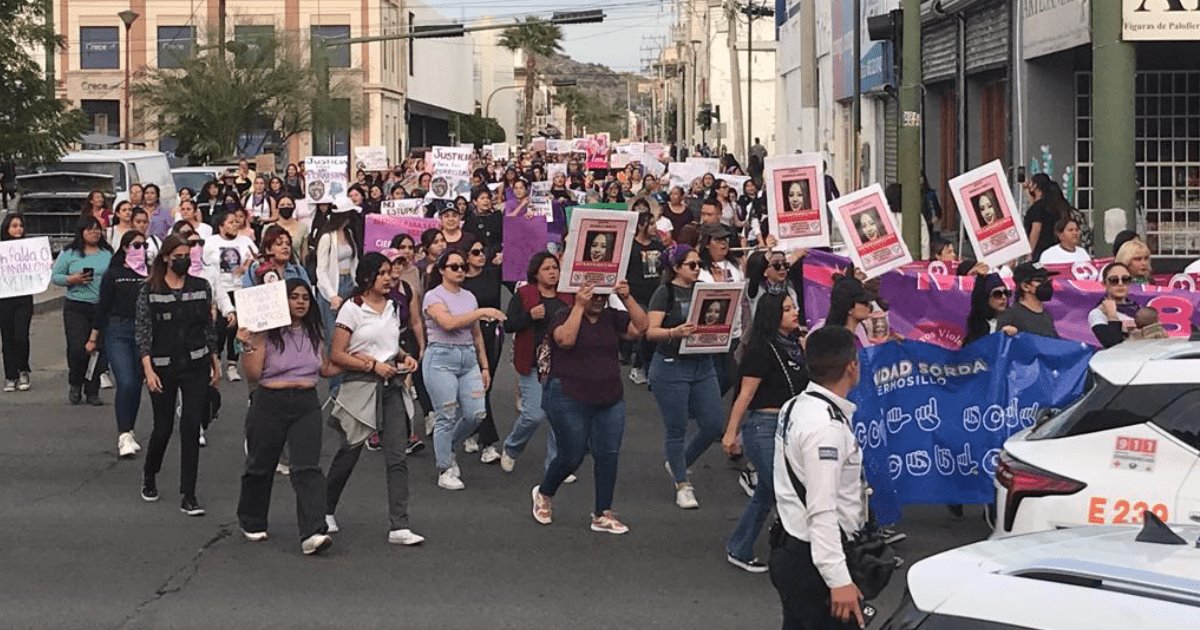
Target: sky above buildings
{"type": "Point", "coordinates": [618, 42]}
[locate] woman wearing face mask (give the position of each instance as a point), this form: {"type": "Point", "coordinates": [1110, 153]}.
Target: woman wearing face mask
{"type": "Point", "coordinates": [456, 368]}
{"type": "Point", "coordinates": [1112, 319]}
{"type": "Point", "coordinates": [114, 323]}
{"type": "Point", "coordinates": [1028, 314]}
{"type": "Point", "coordinates": [178, 348]}
{"type": "Point", "coordinates": [1068, 250]}
{"type": "Point", "coordinates": [684, 386]}
{"type": "Point", "coordinates": [286, 207]}
{"type": "Point", "coordinates": [286, 363]}
{"type": "Point", "coordinates": [989, 298]}
{"type": "Point", "coordinates": [772, 372]}
{"type": "Point", "coordinates": [227, 256]}
{"type": "Point", "coordinates": [140, 222]}
{"type": "Point", "coordinates": [483, 280]}
{"type": "Point", "coordinates": [16, 314]}
{"type": "Point", "coordinates": [337, 258]}
{"type": "Point", "coordinates": [122, 222]}
{"type": "Point", "coordinates": [79, 268]}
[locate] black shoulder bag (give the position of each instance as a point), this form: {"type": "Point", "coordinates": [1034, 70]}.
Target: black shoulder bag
{"type": "Point", "coordinates": [869, 558]}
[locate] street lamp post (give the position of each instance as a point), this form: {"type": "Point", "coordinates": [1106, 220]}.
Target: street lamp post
{"type": "Point", "coordinates": [691, 116]}
{"type": "Point", "coordinates": [128, 17]}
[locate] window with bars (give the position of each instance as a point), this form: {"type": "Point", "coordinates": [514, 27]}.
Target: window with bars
{"type": "Point", "coordinates": [1167, 155]}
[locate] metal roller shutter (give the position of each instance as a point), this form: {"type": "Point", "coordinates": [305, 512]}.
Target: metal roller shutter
{"type": "Point", "coordinates": [891, 115]}
{"type": "Point", "coordinates": [938, 50]}
{"type": "Point", "coordinates": [988, 37]}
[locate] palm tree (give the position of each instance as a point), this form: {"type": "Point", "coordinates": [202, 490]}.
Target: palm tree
{"type": "Point", "coordinates": [572, 101]}
{"type": "Point", "coordinates": [534, 38]}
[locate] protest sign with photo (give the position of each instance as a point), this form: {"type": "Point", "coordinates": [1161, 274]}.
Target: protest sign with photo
{"type": "Point", "coordinates": [558, 147]}
{"type": "Point", "coordinates": [597, 249]}
{"type": "Point", "coordinates": [619, 160]}
{"type": "Point", "coordinates": [403, 207]}
{"type": "Point", "coordinates": [326, 177]}
{"type": "Point", "coordinates": [988, 210]}
{"type": "Point", "coordinates": [263, 307]}
{"type": "Point", "coordinates": [25, 265]}
{"type": "Point", "coordinates": [707, 165]}
{"type": "Point", "coordinates": [370, 158]}
{"type": "Point", "coordinates": [795, 189]}
{"type": "Point", "coordinates": [597, 150]}
{"type": "Point", "coordinates": [451, 172]}
{"type": "Point", "coordinates": [540, 202]}
{"type": "Point", "coordinates": [381, 229]}
{"type": "Point", "coordinates": [865, 220]}
{"type": "Point", "coordinates": [714, 308]}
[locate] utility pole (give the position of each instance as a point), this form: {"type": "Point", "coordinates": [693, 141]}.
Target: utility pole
{"type": "Point", "coordinates": [910, 126]}
{"type": "Point", "coordinates": [735, 81]}
{"type": "Point", "coordinates": [856, 104]}
{"type": "Point", "coordinates": [1115, 66]}
{"type": "Point", "coordinates": [221, 27]}
{"type": "Point", "coordinates": [48, 7]}
{"type": "Point", "coordinates": [752, 12]}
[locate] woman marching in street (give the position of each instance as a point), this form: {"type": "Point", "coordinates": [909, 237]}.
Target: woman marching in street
{"type": "Point", "coordinates": [80, 268]}
{"type": "Point", "coordinates": [366, 346]}
{"type": "Point", "coordinates": [227, 256]}
{"type": "Point", "coordinates": [772, 371]}
{"type": "Point", "coordinates": [276, 259]}
{"type": "Point", "coordinates": [16, 313]}
{"type": "Point", "coordinates": [114, 323]}
{"type": "Point", "coordinates": [530, 313]}
{"type": "Point", "coordinates": [483, 281]}
{"type": "Point", "coordinates": [412, 332]}
{"type": "Point", "coordinates": [456, 368]}
{"type": "Point", "coordinates": [584, 398]}
{"type": "Point", "coordinates": [684, 386]}
{"type": "Point", "coordinates": [286, 363]}
{"type": "Point", "coordinates": [122, 222]}
{"type": "Point", "coordinates": [177, 343]}
{"type": "Point", "coordinates": [337, 258]}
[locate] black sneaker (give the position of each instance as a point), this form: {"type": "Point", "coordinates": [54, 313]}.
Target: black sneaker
{"type": "Point", "coordinates": [149, 489]}
{"type": "Point", "coordinates": [750, 566]}
{"type": "Point", "coordinates": [75, 395]}
{"type": "Point", "coordinates": [94, 400]}
{"type": "Point", "coordinates": [190, 506]}
{"type": "Point", "coordinates": [415, 445]}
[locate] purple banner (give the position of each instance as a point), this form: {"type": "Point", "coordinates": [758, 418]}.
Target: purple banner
{"type": "Point", "coordinates": [933, 307]}
{"type": "Point", "coordinates": [381, 229]}
{"type": "Point", "coordinates": [524, 236]}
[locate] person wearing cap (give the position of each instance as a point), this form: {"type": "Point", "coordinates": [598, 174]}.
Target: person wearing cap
{"type": "Point", "coordinates": [337, 258]}
{"type": "Point", "coordinates": [715, 266]}
{"type": "Point", "coordinates": [1028, 314]}
{"type": "Point", "coordinates": [451, 220]}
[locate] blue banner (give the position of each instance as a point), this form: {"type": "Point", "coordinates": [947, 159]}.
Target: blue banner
{"type": "Point", "coordinates": [932, 421]}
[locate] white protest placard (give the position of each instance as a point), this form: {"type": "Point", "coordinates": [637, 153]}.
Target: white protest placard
{"type": "Point", "coordinates": [403, 208]}
{"type": "Point", "coordinates": [651, 164]}
{"type": "Point", "coordinates": [990, 214]}
{"type": "Point", "coordinates": [451, 172]}
{"type": "Point", "coordinates": [795, 189]}
{"type": "Point", "coordinates": [500, 150]}
{"type": "Point", "coordinates": [709, 165]}
{"type": "Point", "coordinates": [865, 219]}
{"type": "Point", "coordinates": [25, 266]}
{"type": "Point", "coordinates": [619, 160]}
{"type": "Point", "coordinates": [540, 202]}
{"type": "Point", "coordinates": [682, 174]}
{"type": "Point", "coordinates": [326, 177]}
{"type": "Point", "coordinates": [559, 146]}
{"type": "Point", "coordinates": [263, 307]}
{"type": "Point", "coordinates": [370, 158]}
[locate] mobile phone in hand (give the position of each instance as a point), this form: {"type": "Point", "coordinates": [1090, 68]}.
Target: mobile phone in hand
{"type": "Point", "coordinates": [89, 271]}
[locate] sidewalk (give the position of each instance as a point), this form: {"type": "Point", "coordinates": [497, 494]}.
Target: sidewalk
{"type": "Point", "coordinates": [49, 300]}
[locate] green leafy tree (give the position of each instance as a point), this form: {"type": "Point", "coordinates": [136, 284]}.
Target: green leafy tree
{"type": "Point", "coordinates": [534, 38]}
{"type": "Point", "coordinates": [476, 129]}
{"type": "Point", "coordinates": [34, 125]}
{"type": "Point", "coordinates": [212, 99]}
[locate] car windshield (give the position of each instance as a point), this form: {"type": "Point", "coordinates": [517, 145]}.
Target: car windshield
{"type": "Point", "coordinates": [192, 180]}
{"type": "Point", "coordinates": [1097, 394]}
{"type": "Point", "coordinates": [102, 168]}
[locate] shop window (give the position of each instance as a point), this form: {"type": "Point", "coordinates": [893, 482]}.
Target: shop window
{"type": "Point", "coordinates": [99, 47]}
{"type": "Point", "coordinates": [257, 44]}
{"type": "Point", "coordinates": [339, 55]}
{"type": "Point", "coordinates": [175, 44]}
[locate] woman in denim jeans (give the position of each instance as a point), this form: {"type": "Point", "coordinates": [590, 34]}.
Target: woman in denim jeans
{"type": "Point", "coordinates": [114, 319]}
{"type": "Point", "coordinates": [684, 386]}
{"type": "Point", "coordinates": [455, 364]}
{"type": "Point", "coordinates": [772, 371]}
{"type": "Point", "coordinates": [584, 400]}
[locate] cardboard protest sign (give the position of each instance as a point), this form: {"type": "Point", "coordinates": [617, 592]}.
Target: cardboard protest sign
{"type": "Point", "coordinates": [540, 202]}
{"type": "Point", "coordinates": [619, 160]}
{"type": "Point", "coordinates": [873, 237]}
{"type": "Point", "coordinates": [451, 172]}
{"type": "Point", "coordinates": [986, 206]}
{"type": "Point", "coordinates": [326, 177]}
{"type": "Point", "coordinates": [381, 229]}
{"type": "Point", "coordinates": [597, 249]}
{"type": "Point", "coordinates": [714, 308]}
{"type": "Point", "coordinates": [263, 307]}
{"type": "Point", "coordinates": [538, 145]}
{"type": "Point", "coordinates": [795, 188]}
{"type": "Point", "coordinates": [682, 174]}
{"type": "Point", "coordinates": [500, 150]}
{"type": "Point", "coordinates": [708, 165]}
{"type": "Point", "coordinates": [370, 158]}
{"type": "Point", "coordinates": [25, 265]}
{"type": "Point", "coordinates": [403, 207]}
{"type": "Point", "coordinates": [597, 150]}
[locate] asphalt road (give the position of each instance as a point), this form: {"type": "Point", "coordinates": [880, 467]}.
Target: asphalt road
{"type": "Point", "coordinates": [80, 549]}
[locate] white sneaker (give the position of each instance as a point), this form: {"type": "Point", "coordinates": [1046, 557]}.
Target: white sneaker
{"type": "Point", "coordinates": [455, 470]}
{"type": "Point", "coordinates": [430, 420]}
{"type": "Point", "coordinates": [490, 455]}
{"type": "Point", "coordinates": [125, 445]}
{"type": "Point", "coordinates": [471, 445]}
{"type": "Point", "coordinates": [254, 536]}
{"type": "Point", "coordinates": [638, 376]}
{"type": "Point", "coordinates": [105, 381]}
{"type": "Point", "coordinates": [133, 441]}
{"type": "Point", "coordinates": [283, 469]}
{"type": "Point", "coordinates": [231, 373]}
{"type": "Point", "coordinates": [330, 524]}
{"type": "Point", "coordinates": [507, 462]}
{"type": "Point", "coordinates": [748, 480]}
{"type": "Point", "coordinates": [203, 439]}
{"type": "Point", "coordinates": [571, 478]}
{"type": "Point", "coordinates": [406, 537]}
{"type": "Point", "coordinates": [316, 544]}
{"type": "Point", "coordinates": [10, 386]}
{"type": "Point", "coordinates": [449, 481]}
{"type": "Point", "coordinates": [685, 497]}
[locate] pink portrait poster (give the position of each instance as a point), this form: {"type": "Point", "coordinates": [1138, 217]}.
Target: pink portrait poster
{"type": "Point", "coordinates": [866, 223]}
{"type": "Point", "coordinates": [714, 308]}
{"type": "Point", "coordinates": [986, 206]}
{"type": "Point", "coordinates": [597, 249]}
{"type": "Point", "coordinates": [796, 200]}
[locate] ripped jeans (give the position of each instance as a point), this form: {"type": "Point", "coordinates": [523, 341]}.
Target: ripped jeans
{"type": "Point", "coordinates": [455, 387]}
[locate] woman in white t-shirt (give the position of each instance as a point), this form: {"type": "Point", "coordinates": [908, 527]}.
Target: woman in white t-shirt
{"type": "Point", "coordinates": [227, 256]}
{"type": "Point", "coordinates": [715, 266]}
{"type": "Point", "coordinates": [336, 261]}
{"type": "Point", "coordinates": [1068, 250]}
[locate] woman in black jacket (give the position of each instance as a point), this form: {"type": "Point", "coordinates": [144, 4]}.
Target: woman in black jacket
{"type": "Point", "coordinates": [989, 298]}
{"type": "Point", "coordinates": [483, 279]}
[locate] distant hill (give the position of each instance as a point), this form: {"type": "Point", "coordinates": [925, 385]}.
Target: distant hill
{"type": "Point", "coordinates": [603, 88]}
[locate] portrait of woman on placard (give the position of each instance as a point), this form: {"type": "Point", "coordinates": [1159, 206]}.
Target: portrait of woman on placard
{"type": "Point", "coordinates": [599, 246]}
{"type": "Point", "coordinates": [869, 227]}
{"type": "Point", "coordinates": [316, 190]}
{"type": "Point", "coordinates": [797, 195]}
{"type": "Point", "coordinates": [712, 313]}
{"type": "Point", "coordinates": [987, 211]}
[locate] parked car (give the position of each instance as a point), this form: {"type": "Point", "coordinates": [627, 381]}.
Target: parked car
{"type": "Point", "coordinates": [125, 168]}
{"type": "Point", "coordinates": [52, 202]}
{"type": "Point", "coordinates": [1131, 443]}
{"type": "Point", "coordinates": [195, 177]}
{"type": "Point", "coordinates": [1099, 578]}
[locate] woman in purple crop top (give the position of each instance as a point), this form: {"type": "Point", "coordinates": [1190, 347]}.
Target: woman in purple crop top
{"type": "Point", "coordinates": [284, 409]}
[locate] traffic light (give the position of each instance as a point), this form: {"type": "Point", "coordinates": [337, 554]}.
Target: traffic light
{"type": "Point", "coordinates": [704, 117]}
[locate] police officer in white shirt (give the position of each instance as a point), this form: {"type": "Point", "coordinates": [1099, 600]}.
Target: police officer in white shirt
{"type": "Point", "coordinates": [815, 446]}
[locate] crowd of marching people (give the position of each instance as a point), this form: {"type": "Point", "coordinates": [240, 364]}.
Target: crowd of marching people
{"type": "Point", "coordinates": [409, 340]}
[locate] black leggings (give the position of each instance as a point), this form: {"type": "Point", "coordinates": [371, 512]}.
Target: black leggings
{"type": "Point", "coordinates": [493, 345]}
{"type": "Point", "coordinates": [227, 336]}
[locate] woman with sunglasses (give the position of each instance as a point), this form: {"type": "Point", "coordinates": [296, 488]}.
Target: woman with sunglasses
{"type": "Point", "coordinates": [177, 343]}
{"type": "Point", "coordinates": [80, 268]}
{"type": "Point", "coordinates": [849, 307]}
{"type": "Point", "coordinates": [455, 365]}
{"type": "Point", "coordinates": [770, 273]}
{"type": "Point", "coordinates": [114, 323]}
{"type": "Point", "coordinates": [684, 385]}
{"type": "Point", "coordinates": [483, 280]}
{"type": "Point", "coordinates": [989, 298]}
{"type": "Point", "coordinates": [1113, 319]}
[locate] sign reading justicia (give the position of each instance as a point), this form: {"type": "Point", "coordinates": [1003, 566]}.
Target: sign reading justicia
{"type": "Point", "coordinates": [1161, 20]}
